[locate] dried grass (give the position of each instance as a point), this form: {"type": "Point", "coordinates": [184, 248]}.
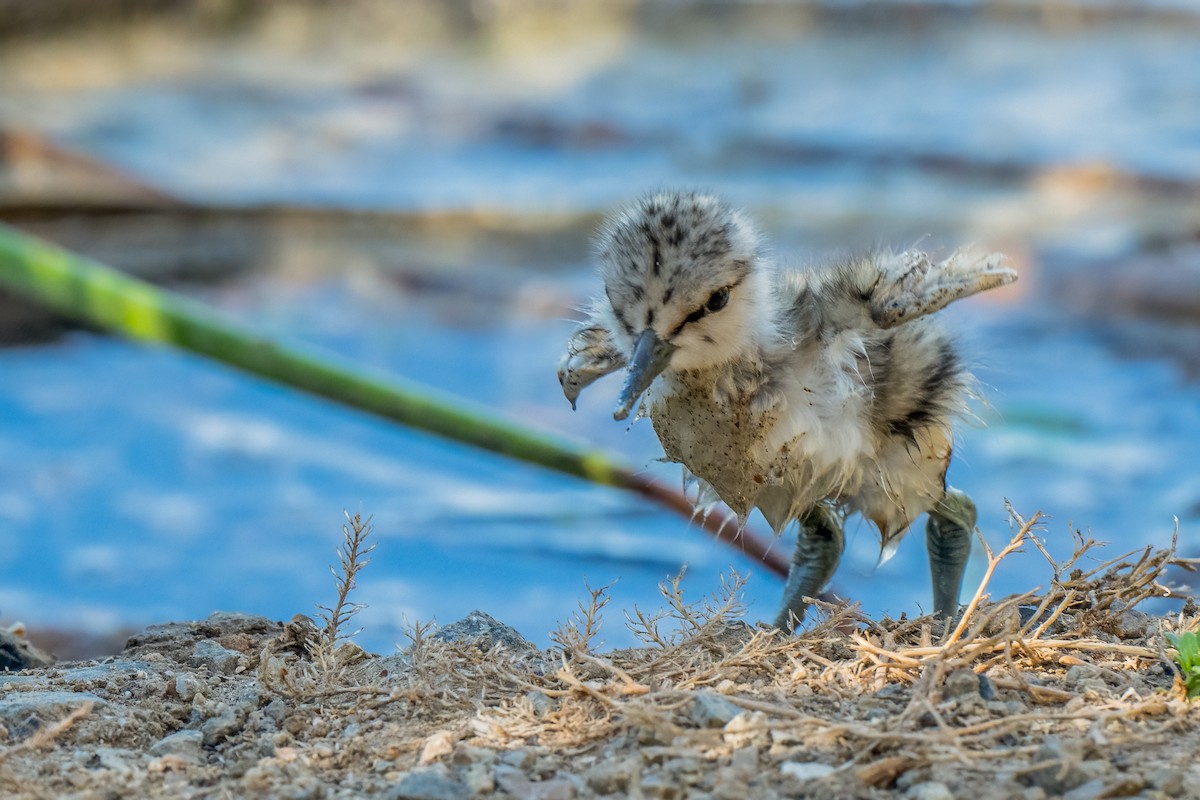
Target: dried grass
{"type": "Point", "coordinates": [875, 697]}
{"type": "Point", "coordinates": [791, 687]}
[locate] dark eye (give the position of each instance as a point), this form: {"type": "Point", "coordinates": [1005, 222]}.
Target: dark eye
{"type": "Point", "coordinates": [718, 299]}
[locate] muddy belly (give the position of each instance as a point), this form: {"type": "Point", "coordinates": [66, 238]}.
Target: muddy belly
{"type": "Point", "coordinates": [723, 446]}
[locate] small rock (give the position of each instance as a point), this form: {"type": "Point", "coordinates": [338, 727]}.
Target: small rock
{"type": "Point", "coordinates": [220, 727]}
{"type": "Point", "coordinates": [733, 634]}
{"type": "Point", "coordinates": [745, 760]}
{"type": "Point", "coordinates": [15, 707]}
{"type": "Point", "coordinates": [276, 710]}
{"type": "Point", "coordinates": [479, 779]}
{"type": "Point", "coordinates": [730, 784]}
{"type": "Point", "coordinates": [8, 680]}
{"type": "Point", "coordinates": [660, 787]}
{"type": "Point", "coordinates": [428, 784]}
{"type": "Point", "coordinates": [961, 684]}
{"type": "Point", "coordinates": [1096, 768]}
{"type": "Point", "coordinates": [930, 790]}
{"type": "Point", "coordinates": [248, 696]}
{"type": "Point", "coordinates": [485, 632]}
{"type": "Point", "coordinates": [1169, 780]}
{"type": "Point", "coordinates": [108, 670]}
{"type": "Point", "coordinates": [685, 765]}
{"type": "Point", "coordinates": [112, 758]}
{"type": "Point", "coordinates": [187, 686]}
{"type": "Point", "coordinates": [711, 710]}
{"type": "Point", "coordinates": [610, 776]}
{"type": "Point", "coordinates": [465, 755]}
{"type": "Point", "coordinates": [805, 770]}
{"type": "Point", "coordinates": [185, 744]}
{"type": "Point", "coordinates": [1129, 623]}
{"type": "Point", "coordinates": [541, 703]}
{"type": "Point", "coordinates": [1091, 790]}
{"type": "Point", "coordinates": [521, 759]}
{"type": "Point", "coordinates": [514, 782]}
{"type": "Point", "coordinates": [1061, 772]}
{"type": "Point", "coordinates": [748, 727]}
{"type": "Point", "coordinates": [438, 745]}
{"type": "Point", "coordinates": [208, 653]}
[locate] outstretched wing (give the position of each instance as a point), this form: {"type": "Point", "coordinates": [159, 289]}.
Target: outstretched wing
{"type": "Point", "coordinates": [590, 355]}
{"type": "Point", "coordinates": [881, 290]}
{"type": "Point", "coordinates": [909, 285]}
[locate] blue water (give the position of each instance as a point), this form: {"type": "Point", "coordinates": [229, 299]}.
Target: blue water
{"type": "Point", "coordinates": [138, 485]}
{"type": "Point", "coordinates": [142, 485]}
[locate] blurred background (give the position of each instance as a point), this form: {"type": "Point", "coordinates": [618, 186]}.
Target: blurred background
{"type": "Point", "coordinates": [412, 184]}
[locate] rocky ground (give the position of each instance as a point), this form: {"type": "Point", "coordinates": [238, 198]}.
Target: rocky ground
{"type": "Point", "coordinates": [1069, 694]}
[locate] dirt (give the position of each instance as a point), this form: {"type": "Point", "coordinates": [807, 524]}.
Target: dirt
{"type": "Point", "coordinates": [1070, 694]}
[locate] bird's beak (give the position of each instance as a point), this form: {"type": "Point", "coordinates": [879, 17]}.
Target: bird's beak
{"type": "Point", "coordinates": [650, 357]}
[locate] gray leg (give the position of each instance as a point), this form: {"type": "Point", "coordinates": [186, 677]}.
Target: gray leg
{"type": "Point", "coordinates": [948, 539]}
{"type": "Point", "coordinates": [818, 550]}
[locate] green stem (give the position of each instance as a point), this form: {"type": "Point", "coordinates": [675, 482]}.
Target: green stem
{"type": "Point", "coordinates": [87, 291]}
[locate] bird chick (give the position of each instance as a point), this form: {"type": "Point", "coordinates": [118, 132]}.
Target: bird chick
{"type": "Point", "coordinates": [808, 394]}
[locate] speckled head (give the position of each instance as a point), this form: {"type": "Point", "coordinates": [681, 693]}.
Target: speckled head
{"type": "Point", "coordinates": [680, 276]}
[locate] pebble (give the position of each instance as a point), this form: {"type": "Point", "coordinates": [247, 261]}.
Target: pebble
{"type": "Point", "coordinates": [745, 760]}
{"type": "Point", "coordinates": [660, 787]}
{"type": "Point", "coordinates": [15, 707]}
{"type": "Point", "coordinates": [209, 653]}
{"type": "Point", "coordinates": [805, 770]}
{"type": "Point", "coordinates": [437, 745]}
{"type": "Point", "coordinates": [961, 684]}
{"type": "Point", "coordinates": [610, 776]}
{"type": "Point", "coordinates": [117, 668]}
{"type": "Point", "coordinates": [187, 686]}
{"type": "Point", "coordinates": [730, 784]}
{"type": "Point", "coordinates": [112, 758]}
{"type": "Point", "coordinates": [8, 679]}
{"type": "Point", "coordinates": [276, 710]}
{"type": "Point", "coordinates": [711, 710]}
{"type": "Point", "coordinates": [1091, 790]}
{"type": "Point", "coordinates": [220, 727]}
{"type": "Point", "coordinates": [428, 784]}
{"type": "Point", "coordinates": [930, 790]}
{"type": "Point", "coordinates": [1170, 781]}
{"type": "Point", "coordinates": [466, 755]}
{"type": "Point", "coordinates": [479, 779]}
{"type": "Point", "coordinates": [514, 782]}
{"type": "Point", "coordinates": [185, 744]}
{"type": "Point", "coordinates": [686, 765]}
{"type": "Point", "coordinates": [748, 727]}
{"type": "Point", "coordinates": [540, 702]}
{"type": "Point", "coordinates": [521, 759]}
{"type": "Point", "coordinates": [1130, 623]}
{"type": "Point", "coordinates": [1062, 774]}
